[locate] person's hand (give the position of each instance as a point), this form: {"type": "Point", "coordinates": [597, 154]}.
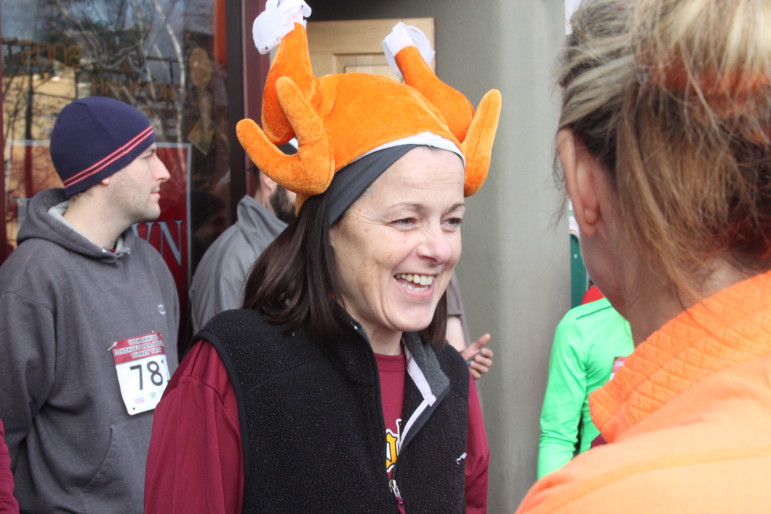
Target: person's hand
{"type": "Point", "coordinates": [478, 359]}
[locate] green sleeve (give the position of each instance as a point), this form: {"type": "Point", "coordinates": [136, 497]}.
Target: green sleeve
{"type": "Point", "coordinates": [566, 393]}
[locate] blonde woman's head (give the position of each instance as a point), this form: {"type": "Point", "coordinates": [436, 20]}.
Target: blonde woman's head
{"type": "Point", "coordinates": [673, 98]}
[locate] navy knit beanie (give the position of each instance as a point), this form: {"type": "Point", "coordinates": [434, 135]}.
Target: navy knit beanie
{"type": "Point", "coordinates": [95, 137]}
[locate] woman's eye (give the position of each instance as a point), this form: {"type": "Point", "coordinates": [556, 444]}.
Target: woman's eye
{"type": "Point", "coordinates": [405, 221]}
{"type": "Point", "coordinates": [455, 222]}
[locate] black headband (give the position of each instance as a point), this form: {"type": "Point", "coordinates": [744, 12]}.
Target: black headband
{"type": "Point", "coordinates": [351, 181]}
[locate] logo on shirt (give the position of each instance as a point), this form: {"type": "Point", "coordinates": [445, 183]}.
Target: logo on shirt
{"type": "Point", "coordinates": [392, 443]}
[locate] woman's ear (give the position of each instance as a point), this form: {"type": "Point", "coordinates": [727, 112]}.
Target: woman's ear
{"type": "Point", "coordinates": [580, 168]}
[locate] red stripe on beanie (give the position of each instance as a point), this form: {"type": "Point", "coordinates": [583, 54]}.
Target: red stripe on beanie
{"type": "Point", "coordinates": [109, 159]}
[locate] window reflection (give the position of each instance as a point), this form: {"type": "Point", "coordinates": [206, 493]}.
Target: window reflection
{"type": "Point", "coordinates": [165, 57]}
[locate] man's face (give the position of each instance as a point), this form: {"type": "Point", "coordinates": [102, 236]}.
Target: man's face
{"type": "Point", "coordinates": [282, 202]}
{"type": "Point", "coordinates": [136, 189]}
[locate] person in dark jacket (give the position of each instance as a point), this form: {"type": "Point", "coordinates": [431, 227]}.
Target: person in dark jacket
{"type": "Point", "coordinates": [333, 390]}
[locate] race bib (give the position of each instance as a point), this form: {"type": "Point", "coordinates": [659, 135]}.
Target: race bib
{"type": "Point", "coordinates": [142, 371]}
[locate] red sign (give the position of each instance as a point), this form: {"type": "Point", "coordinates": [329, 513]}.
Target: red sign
{"type": "Point", "coordinates": [128, 350]}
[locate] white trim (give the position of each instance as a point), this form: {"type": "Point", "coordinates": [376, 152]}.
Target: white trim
{"type": "Point", "coordinates": [276, 21]}
{"type": "Point", "coordinates": [425, 390]}
{"type": "Point", "coordinates": [402, 36]}
{"type": "Point", "coordinates": [425, 139]}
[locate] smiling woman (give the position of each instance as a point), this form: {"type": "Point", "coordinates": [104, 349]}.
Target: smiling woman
{"type": "Point", "coordinates": [333, 389]}
{"type": "Point", "coordinates": [396, 246]}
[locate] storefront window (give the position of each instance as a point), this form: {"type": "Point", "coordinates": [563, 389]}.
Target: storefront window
{"type": "Point", "coordinates": [165, 57]}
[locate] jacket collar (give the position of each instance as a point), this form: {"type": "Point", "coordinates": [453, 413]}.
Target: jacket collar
{"type": "Point", "coordinates": [731, 327]}
{"type": "Point", "coordinates": [422, 364]}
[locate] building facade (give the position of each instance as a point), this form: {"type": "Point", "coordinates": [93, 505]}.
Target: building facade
{"type": "Point", "coordinates": [190, 66]}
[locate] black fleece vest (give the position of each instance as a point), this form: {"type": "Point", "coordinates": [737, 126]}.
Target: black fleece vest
{"type": "Point", "coordinates": [312, 425]}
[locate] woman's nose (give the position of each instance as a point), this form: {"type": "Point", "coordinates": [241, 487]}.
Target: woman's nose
{"type": "Point", "coordinates": [437, 246]}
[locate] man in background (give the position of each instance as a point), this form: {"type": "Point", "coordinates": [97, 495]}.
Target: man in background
{"type": "Point", "coordinates": [88, 312]}
{"type": "Point", "coordinates": [218, 282]}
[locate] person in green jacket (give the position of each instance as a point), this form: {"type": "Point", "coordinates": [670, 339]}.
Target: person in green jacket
{"type": "Point", "coordinates": [587, 344]}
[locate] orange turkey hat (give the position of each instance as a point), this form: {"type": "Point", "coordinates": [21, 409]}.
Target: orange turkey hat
{"type": "Point", "coordinates": [339, 118]}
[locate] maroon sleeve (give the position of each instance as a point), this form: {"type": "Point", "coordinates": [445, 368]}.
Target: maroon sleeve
{"type": "Point", "coordinates": [194, 464]}
{"type": "Point", "coordinates": [8, 503]}
{"type": "Point", "coordinates": [477, 454]}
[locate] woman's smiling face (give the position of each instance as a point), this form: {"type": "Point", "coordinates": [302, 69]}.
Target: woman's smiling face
{"type": "Point", "coordinates": [396, 246]}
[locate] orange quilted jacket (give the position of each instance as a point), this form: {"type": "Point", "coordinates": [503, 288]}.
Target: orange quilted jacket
{"type": "Point", "coordinates": [688, 419]}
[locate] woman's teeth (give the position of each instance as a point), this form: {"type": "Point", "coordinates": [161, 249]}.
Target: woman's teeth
{"type": "Point", "coordinates": [419, 280]}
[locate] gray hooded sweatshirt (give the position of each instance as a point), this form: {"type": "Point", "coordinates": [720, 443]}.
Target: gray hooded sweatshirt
{"type": "Point", "coordinates": [64, 302]}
